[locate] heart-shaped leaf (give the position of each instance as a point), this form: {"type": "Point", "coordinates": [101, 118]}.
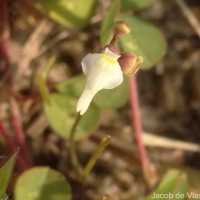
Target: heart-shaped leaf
{"type": "Point", "coordinates": [42, 183]}
{"type": "Point", "coordinates": [144, 40]}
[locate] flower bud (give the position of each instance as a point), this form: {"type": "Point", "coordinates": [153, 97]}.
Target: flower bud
{"type": "Point", "coordinates": [121, 28]}
{"type": "Point", "coordinates": [129, 63]}
{"type": "Point", "coordinates": [112, 48]}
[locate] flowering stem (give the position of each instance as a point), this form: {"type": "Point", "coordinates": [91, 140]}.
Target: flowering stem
{"type": "Point", "coordinates": [114, 39]}
{"type": "Point", "coordinates": [137, 125]}
{"type": "Point", "coordinates": [135, 113]}
{"type": "Point", "coordinates": [72, 147]}
{"type": "Point", "coordinates": [104, 142]}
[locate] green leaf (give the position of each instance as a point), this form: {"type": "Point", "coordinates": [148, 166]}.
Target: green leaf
{"type": "Point", "coordinates": [193, 179]}
{"type": "Point", "coordinates": [61, 113]}
{"type": "Point", "coordinates": [42, 183]}
{"type": "Point", "coordinates": [73, 87]}
{"type": "Point", "coordinates": [6, 168]}
{"type": "Point", "coordinates": [144, 40]}
{"type": "Point", "coordinates": [173, 183]}
{"type": "Point", "coordinates": [107, 23]}
{"type": "Point", "coordinates": [135, 4]}
{"type": "Point", "coordinates": [42, 79]}
{"type": "Point", "coordinates": [43, 89]}
{"type": "Point", "coordinates": [73, 14]}
{"type": "Point", "coordinates": [114, 98]}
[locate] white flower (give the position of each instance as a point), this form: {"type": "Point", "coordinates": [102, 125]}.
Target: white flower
{"type": "Point", "coordinates": [103, 72]}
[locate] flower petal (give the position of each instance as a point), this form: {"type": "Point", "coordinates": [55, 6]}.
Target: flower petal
{"type": "Point", "coordinates": [88, 62]}
{"type": "Point", "coordinates": [84, 101]}
{"type": "Point", "coordinates": [104, 75]}
{"type": "Point", "coordinates": [115, 80]}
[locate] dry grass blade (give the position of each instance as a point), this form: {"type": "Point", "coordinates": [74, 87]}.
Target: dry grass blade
{"type": "Point", "coordinates": [32, 46]}
{"type": "Point", "coordinates": [163, 142]}
{"type": "Point", "coordinates": [189, 15]}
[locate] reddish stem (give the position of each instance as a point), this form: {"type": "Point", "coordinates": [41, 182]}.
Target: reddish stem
{"type": "Point", "coordinates": [4, 55]}
{"type": "Point", "coordinates": [11, 146]}
{"type": "Point", "coordinates": [17, 126]}
{"type": "Point", "coordinates": [21, 163]}
{"type": "Point", "coordinates": [4, 39]}
{"type": "Point", "coordinates": [137, 125]}
{"type": "Point", "coordinates": [113, 39]}
{"type": "Point", "coordinates": [6, 137]}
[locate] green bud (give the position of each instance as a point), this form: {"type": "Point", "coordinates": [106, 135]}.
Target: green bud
{"type": "Point", "coordinates": [121, 28]}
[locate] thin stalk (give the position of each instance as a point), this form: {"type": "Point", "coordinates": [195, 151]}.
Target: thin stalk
{"type": "Point", "coordinates": [72, 146]}
{"type": "Point", "coordinates": [104, 142]}
{"type": "Point", "coordinates": [114, 39]}
{"type": "Point", "coordinates": [137, 124]}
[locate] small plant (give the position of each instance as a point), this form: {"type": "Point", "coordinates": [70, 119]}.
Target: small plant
{"type": "Point", "coordinates": [126, 44]}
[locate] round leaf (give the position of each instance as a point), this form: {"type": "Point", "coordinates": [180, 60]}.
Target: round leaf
{"type": "Point", "coordinates": [61, 113]}
{"type": "Point", "coordinates": [114, 98]}
{"type": "Point", "coordinates": [73, 14]}
{"type": "Point", "coordinates": [135, 4]}
{"type": "Point", "coordinates": [144, 40]}
{"type": "Point", "coordinates": [41, 183]}
{"type": "Point", "coordinates": [73, 87]}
